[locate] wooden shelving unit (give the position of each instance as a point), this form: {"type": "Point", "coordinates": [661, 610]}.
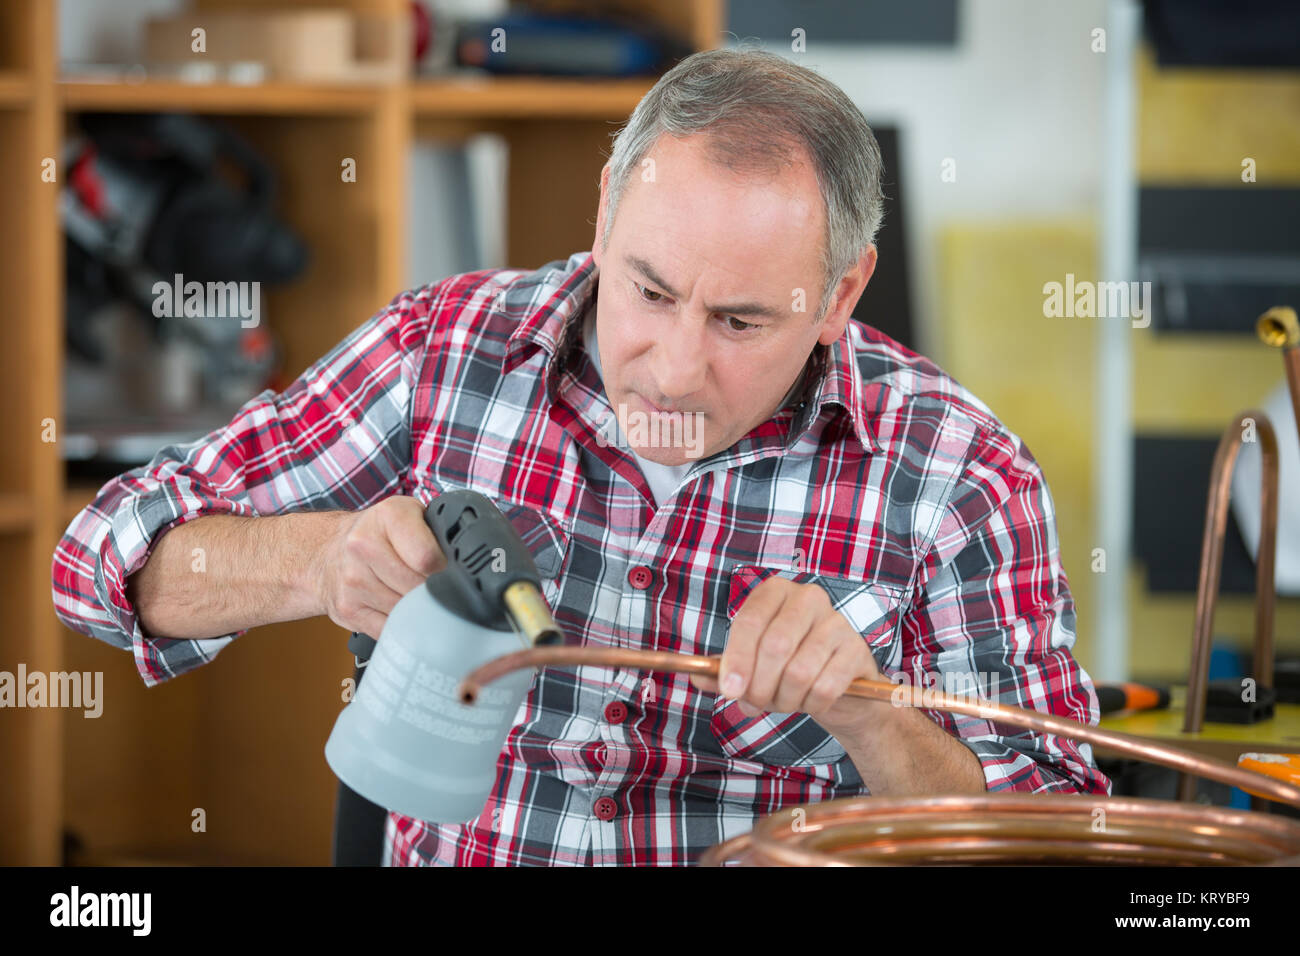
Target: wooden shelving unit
{"type": "Point", "coordinates": [242, 737]}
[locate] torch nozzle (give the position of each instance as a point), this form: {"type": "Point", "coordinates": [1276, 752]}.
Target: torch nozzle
{"type": "Point", "coordinates": [527, 608]}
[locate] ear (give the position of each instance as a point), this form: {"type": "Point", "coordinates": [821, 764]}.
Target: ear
{"type": "Point", "coordinates": [596, 251]}
{"type": "Point", "coordinates": [846, 296]}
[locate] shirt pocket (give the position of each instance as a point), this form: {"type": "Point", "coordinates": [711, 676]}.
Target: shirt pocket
{"type": "Point", "coordinates": [796, 740]}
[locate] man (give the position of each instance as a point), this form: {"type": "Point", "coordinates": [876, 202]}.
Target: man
{"type": "Point", "coordinates": [708, 456]}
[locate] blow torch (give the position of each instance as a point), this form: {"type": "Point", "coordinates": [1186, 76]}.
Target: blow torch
{"type": "Point", "coordinates": [406, 742]}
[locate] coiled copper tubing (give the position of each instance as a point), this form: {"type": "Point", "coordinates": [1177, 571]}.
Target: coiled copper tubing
{"type": "Point", "coordinates": [1012, 829]}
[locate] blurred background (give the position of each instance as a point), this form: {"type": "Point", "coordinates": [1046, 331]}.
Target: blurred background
{"type": "Point", "coordinates": [337, 152]}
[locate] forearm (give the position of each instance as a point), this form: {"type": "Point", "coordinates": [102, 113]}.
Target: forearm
{"type": "Point", "coordinates": [905, 753]}
{"type": "Point", "coordinates": [222, 573]}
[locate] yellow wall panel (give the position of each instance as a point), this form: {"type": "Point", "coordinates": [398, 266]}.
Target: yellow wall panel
{"type": "Point", "coordinates": [1036, 373]}
{"type": "Point", "coordinates": [1198, 125]}
{"type": "Point", "coordinates": [1197, 383]}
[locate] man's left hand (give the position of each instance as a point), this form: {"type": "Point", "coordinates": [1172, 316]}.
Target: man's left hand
{"type": "Point", "coordinates": [794, 653]}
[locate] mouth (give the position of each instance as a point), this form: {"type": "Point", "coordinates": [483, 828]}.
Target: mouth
{"type": "Point", "coordinates": [652, 406]}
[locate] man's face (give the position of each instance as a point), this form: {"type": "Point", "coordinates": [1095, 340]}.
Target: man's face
{"type": "Point", "coordinates": [706, 298]}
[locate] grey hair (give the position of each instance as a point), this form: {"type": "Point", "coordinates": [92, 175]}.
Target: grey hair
{"type": "Point", "coordinates": [759, 109]}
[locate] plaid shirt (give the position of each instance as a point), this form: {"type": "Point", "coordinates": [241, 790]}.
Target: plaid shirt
{"type": "Point", "coordinates": [883, 481]}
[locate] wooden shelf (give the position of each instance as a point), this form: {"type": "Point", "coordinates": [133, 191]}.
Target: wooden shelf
{"type": "Point", "coordinates": [472, 98]}
{"type": "Point", "coordinates": [15, 89]}
{"type": "Point", "coordinates": [16, 512]}
{"type": "Point", "coordinates": [264, 98]}
{"type": "Point", "coordinates": [128, 857]}
{"type": "Point", "coordinates": [527, 97]}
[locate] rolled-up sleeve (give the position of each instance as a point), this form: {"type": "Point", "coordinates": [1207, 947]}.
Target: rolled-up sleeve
{"type": "Point", "coordinates": [995, 617]}
{"type": "Point", "coordinates": [338, 438]}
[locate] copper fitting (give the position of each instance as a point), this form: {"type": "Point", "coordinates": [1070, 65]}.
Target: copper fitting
{"type": "Point", "coordinates": [1279, 328]}
{"type": "Point", "coordinates": [988, 827]}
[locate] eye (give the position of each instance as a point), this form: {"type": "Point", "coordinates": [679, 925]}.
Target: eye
{"type": "Point", "coordinates": [738, 326]}
{"type": "Point", "coordinates": [646, 294]}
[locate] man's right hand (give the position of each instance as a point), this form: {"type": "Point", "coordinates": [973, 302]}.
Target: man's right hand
{"type": "Point", "coordinates": [373, 558]}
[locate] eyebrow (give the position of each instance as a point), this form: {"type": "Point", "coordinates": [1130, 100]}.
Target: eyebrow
{"type": "Point", "coordinates": [742, 308]}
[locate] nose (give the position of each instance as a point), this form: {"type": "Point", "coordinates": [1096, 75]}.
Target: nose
{"type": "Point", "coordinates": [680, 362]}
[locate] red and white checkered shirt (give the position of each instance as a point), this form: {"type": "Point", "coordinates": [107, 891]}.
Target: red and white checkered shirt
{"type": "Point", "coordinates": [883, 480]}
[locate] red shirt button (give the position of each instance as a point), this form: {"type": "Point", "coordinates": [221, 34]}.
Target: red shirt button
{"type": "Point", "coordinates": [616, 712]}
{"type": "Point", "coordinates": [606, 808]}
{"type": "Point", "coordinates": [640, 577]}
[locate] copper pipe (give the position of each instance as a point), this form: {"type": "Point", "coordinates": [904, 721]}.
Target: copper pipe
{"type": "Point", "coordinates": [1207, 588]}
{"type": "Point", "coordinates": [1150, 751]}
{"type": "Point", "coordinates": [1003, 828]}
{"type": "Point", "coordinates": [1279, 328]}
